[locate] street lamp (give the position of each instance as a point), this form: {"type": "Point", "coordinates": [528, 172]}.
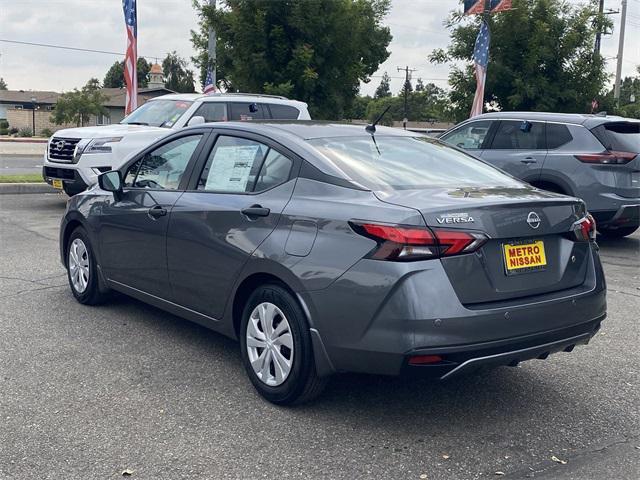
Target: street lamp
{"type": "Point", "coordinates": [33, 115]}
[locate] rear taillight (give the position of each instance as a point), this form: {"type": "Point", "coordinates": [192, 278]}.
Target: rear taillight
{"type": "Point", "coordinates": [609, 157]}
{"type": "Point", "coordinates": [400, 243]}
{"type": "Point", "coordinates": [585, 228]}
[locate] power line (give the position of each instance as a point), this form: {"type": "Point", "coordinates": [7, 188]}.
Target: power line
{"type": "Point", "coordinates": [64, 47]}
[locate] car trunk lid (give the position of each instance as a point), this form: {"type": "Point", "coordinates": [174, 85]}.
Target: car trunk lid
{"type": "Point", "coordinates": [513, 218]}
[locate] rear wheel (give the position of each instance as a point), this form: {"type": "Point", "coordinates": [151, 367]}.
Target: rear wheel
{"type": "Point", "coordinates": [81, 269]}
{"type": "Point", "coordinates": [617, 232]}
{"type": "Point", "coordinates": [276, 347]}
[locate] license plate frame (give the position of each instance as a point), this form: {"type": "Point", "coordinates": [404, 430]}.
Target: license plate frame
{"type": "Point", "coordinates": [56, 183]}
{"type": "Point", "coordinates": [526, 244]}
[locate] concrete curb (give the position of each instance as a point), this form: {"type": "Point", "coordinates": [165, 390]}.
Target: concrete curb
{"type": "Point", "coordinates": [15, 188]}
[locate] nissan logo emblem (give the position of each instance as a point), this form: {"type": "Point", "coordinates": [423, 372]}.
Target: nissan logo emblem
{"type": "Point", "coordinates": [533, 220]}
{"type": "Point", "coordinates": [60, 145]}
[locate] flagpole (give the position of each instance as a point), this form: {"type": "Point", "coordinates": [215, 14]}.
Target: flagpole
{"type": "Point", "coordinates": [212, 48]}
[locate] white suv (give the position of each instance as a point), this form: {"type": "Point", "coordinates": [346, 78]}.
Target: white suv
{"type": "Point", "coordinates": [76, 156]}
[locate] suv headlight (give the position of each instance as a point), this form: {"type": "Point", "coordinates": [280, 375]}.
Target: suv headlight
{"type": "Point", "coordinates": [95, 145]}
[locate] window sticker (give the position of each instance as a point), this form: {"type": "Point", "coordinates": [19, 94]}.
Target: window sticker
{"type": "Point", "coordinates": [231, 168]}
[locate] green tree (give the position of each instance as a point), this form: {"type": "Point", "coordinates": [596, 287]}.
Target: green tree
{"type": "Point", "coordinates": [358, 110]}
{"type": "Point", "coordinates": [428, 105]}
{"type": "Point", "coordinates": [541, 58]}
{"type": "Point", "coordinates": [78, 106]}
{"type": "Point", "coordinates": [629, 104]}
{"type": "Point", "coordinates": [384, 89]}
{"type": "Point", "coordinates": [317, 51]}
{"type": "Point", "coordinates": [176, 75]}
{"type": "Point", "coordinates": [419, 85]}
{"type": "Point", "coordinates": [114, 78]}
{"type": "Point", "coordinates": [3, 84]}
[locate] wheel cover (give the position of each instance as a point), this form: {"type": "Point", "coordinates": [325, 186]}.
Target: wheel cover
{"type": "Point", "coordinates": [79, 265]}
{"type": "Point", "coordinates": [269, 344]}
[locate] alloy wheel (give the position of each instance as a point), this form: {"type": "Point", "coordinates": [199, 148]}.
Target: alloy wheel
{"type": "Point", "coordinates": [79, 265]}
{"type": "Point", "coordinates": [269, 344]}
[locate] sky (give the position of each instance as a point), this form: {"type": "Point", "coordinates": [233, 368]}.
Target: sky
{"type": "Point", "coordinates": [165, 25]}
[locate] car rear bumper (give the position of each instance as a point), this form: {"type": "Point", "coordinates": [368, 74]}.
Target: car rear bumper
{"type": "Point", "coordinates": [378, 327]}
{"type": "Point", "coordinates": [627, 215]}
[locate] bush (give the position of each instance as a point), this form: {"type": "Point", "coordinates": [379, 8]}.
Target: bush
{"type": "Point", "coordinates": [46, 132]}
{"type": "Point", "coordinates": [25, 132]}
{"type": "Point", "coordinates": [4, 125]}
{"type": "Point", "coordinates": [13, 131]}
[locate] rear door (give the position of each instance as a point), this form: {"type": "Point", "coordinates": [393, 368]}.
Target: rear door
{"type": "Point", "coordinates": [519, 148]}
{"type": "Point", "coordinates": [236, 196]}
{"type": "Point", "coordinates": [245, 111]}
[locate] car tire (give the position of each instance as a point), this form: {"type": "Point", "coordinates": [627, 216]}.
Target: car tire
{"type": "Point", "coordinates": [274, 333]}
{"type": "Point", "coordinates": [71, 191]}
{"type": "Point", "coordinates": [81, 269]}
{"type": "Point", "coordinates": [617, 232]}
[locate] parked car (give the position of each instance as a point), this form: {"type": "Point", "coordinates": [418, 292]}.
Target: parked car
{"type": "Point", "coordinates": [332, 248]}
{"type": "Point", "coordinates": [593, 157]}
{"type": "Point", "coordinates": [76, 156]}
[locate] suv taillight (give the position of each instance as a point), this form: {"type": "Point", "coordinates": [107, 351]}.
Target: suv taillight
{"type": "Point", "coordinates": [403, 243]}
{"type": "Point", "coordinates": [585, 228]}
{"type": "Point", "coordinates": [609, 157]}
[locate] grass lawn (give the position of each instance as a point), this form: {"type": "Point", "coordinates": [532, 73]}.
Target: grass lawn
{"type": "Point", "coordinates": [25, 178]}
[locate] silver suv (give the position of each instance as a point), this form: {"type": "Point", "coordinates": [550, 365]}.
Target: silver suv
{"type": "Point", "coordinates": [594, 157]}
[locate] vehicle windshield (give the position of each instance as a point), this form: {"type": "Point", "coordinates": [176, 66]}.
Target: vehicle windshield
{"type": "Point", "coordinates": [158, 113]}
{"type": "Point", "coordinates": [401, 163]}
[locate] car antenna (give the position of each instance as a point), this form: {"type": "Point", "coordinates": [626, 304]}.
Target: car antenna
{"type": "Point", "coordinates": [371, 128]}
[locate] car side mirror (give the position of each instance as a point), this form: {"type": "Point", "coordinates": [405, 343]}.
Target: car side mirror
{"type": "Point", "coordinates": [111, 181]}
{"type": "Point", "coordinates": [196, 120]}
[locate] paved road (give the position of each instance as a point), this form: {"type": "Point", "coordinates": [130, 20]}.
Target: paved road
{"type": "Point", "coordinates": [86, 393]}
{"type": "Point", "coordinates": [20, 164]}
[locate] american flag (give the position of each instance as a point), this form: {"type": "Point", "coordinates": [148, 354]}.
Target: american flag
{"type": "Point", "coordinates": [500, 5]}
{"type": "Point", "coordinates": [473, 7]}
{"type": "Point", "coordinates": [131, 57]}
{"type": "Point", "coordinates": [209, 86]}
{"type": "Point", "coordinates": [480, 61]}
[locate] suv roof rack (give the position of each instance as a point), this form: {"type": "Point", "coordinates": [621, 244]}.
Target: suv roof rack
{"type": "Point", "coordinates": [240, 94]}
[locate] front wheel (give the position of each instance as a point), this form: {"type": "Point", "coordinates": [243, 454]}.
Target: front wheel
{"type": "Point", "coordinates": [617, 232]}
{"type": "Point", "coordinates": [276, 347]}
{"type": "Point", "coordinates": [81, 269]}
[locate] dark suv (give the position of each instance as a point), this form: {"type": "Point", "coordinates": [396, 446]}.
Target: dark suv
{"type": "Point", "coordinates": [593, 157]}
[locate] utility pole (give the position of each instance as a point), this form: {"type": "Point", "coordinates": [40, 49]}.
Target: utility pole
{"type": "Point", "coordinates": [212, 48]}
{"type": "Point", "coordinates": [623, 21]}
{"type": "Point", "coordinates": [596, 49]}
{"type": "Point", "coordinates": [407, 78]}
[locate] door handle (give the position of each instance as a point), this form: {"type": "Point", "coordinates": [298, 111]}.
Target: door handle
{"type": "Point", "coordinates": [156, 212]}
{"type": "Point", "coordinates": [256, 211]}
{"type": "Point", "coordinates": [528, 160]}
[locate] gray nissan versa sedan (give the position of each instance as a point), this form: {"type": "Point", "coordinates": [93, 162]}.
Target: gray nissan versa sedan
{"type": "Point", "coordinates": [332, 248]}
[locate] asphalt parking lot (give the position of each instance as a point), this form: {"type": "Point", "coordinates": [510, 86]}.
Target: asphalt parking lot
{"type": "Point", "coordinates": [20, 164]}
{"type": "Point", "coordinates": [88, 392]}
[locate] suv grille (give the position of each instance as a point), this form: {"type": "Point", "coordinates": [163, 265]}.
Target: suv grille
{"type": "Point", "coordinates": [61, 149]}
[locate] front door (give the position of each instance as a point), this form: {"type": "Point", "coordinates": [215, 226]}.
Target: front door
{"type": "Point", "coordinates": [234, 203]}
{"type": "Point", "coordinates": [134, 223]}
{"type": "Point", "coordinates": [518, 148]}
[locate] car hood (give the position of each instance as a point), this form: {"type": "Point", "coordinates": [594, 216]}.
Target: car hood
{"type": "Point", "coordinates": [118, 129]}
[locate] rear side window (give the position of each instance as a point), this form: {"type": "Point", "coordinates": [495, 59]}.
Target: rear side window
{"type": "Point", "coordinates": [519, 135]}
{"type": "Point", "coordinates": [240, 165]}
{"type": "Point", "coordinates": [557, 135]}
{"type": "Point", "coordinates": [619, 136]}
{"type": "Point", "coordinates": [245, 111]}
{"type": "Point", "coordinates": [283, 112]}
{"type": "Point", "coordinates": [470, 136]}
{"type": "Point", "coordinates": [212, 111]}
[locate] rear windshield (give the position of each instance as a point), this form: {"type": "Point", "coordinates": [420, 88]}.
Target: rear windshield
{"type": "Point", "coordinates": [619, 136]}
{"type": "Point", "coordinates": [407, 163]}
{"type": "Point", "coordinates": [158, 113]}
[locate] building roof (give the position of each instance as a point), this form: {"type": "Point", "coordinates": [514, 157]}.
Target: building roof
{"type": "Point", "coordinates": [115, 96]}
{"type": "Point", "coordinates": [155, 68]}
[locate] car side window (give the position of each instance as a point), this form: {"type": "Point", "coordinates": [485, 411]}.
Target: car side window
{"type": "Point", "coordinates": [470, 136]}
{"type": "Point", "coordinates": [245, 111]}
{"type": "Point", "coordinates": [212, 111]}
{"type": "Point", "coordinates": [163, 167]}
{"type": "Point", "coordinates": [557, 135]}
{"type": "Point", "coordinates": [240, 165]}
{"type": "Point", "coordinates": [283, 112]}
{"type": "Point", "coordinates": [519, 135]}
